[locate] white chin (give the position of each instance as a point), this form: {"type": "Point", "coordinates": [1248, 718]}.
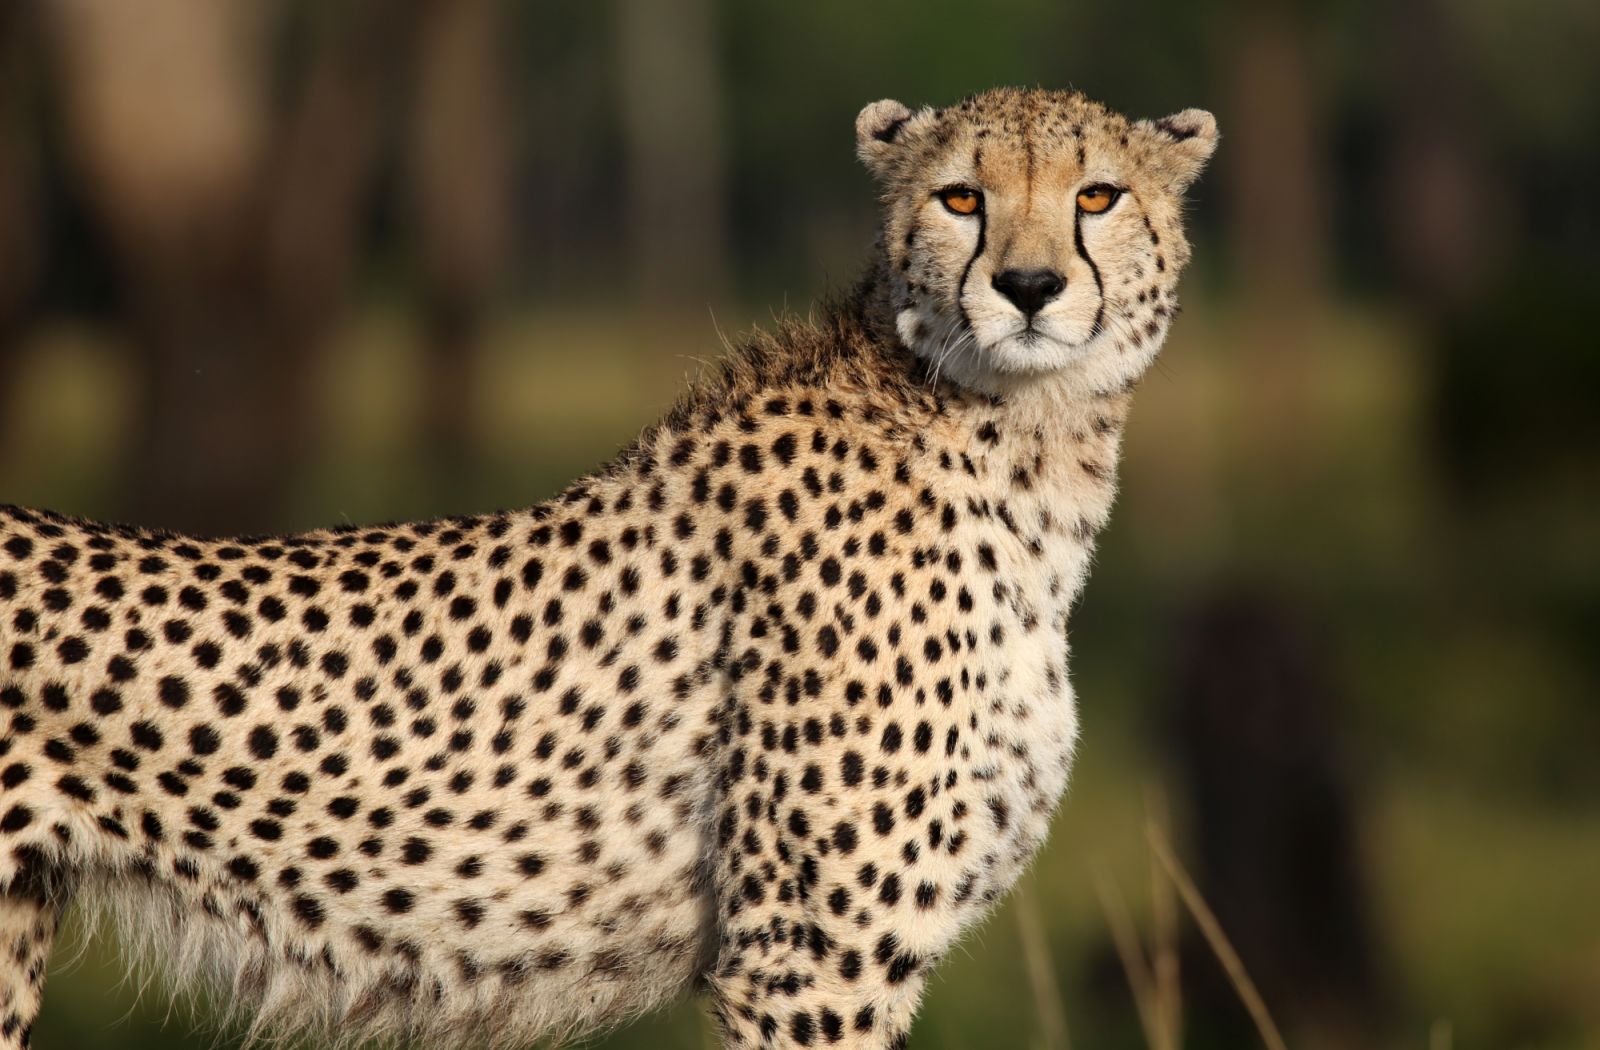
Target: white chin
{"type": "Point", "coordinates": [991, 358]}
{"type": "Point", "coordinates": [1029, 353]}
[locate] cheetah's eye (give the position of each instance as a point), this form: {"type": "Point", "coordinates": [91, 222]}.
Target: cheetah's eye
{"type": "Point", "coordinates": [962, 200]}
{"type": "Point", "coordinates": [1096, 199]}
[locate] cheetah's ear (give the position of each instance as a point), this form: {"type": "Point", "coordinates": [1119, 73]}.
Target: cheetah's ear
{"type": "Point", "coordinates": [1184, 143]}
{"type": "Point", "coordinates": [881, 130]}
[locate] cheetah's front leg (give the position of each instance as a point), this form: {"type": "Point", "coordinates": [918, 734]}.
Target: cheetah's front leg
{"type": "Point", "coordinates": [796, 966]}
{"type": "Point", "coordinates": [788, 999]}
{"type": "Point", "coordinates": [818, 945]}
{"type": "Point", "coordinates": [29, 915]}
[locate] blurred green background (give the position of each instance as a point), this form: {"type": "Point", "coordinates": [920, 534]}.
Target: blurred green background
{"type": "Point", "coordinates": [275, 264]}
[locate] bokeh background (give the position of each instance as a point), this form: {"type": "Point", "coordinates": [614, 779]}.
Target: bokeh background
{"type": "Point", "coordinates": [272, 264]}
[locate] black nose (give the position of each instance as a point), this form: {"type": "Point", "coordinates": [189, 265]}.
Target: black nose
{"type": "Point", "coordinates": [1029, 289]}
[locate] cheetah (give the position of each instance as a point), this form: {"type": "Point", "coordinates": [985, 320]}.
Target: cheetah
{"type": "Point", "coordinates": [774, 705]}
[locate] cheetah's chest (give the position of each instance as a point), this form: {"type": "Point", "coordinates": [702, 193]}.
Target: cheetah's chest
{"type": "Point", "coordinates": [1024, 719]}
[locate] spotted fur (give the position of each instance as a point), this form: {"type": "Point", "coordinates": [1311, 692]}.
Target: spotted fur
{"type": "Point", "coordinates": [777, 702]}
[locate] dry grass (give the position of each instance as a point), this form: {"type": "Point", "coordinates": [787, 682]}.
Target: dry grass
{"type": "Point", "coordinates": [1152, 969]}
{"type": "Point", "coordinates": [1041, 973]}
{"type": "Point", "coordinates": [1164, 920]}
{"type": "Point", "coordinates": [1206, 920]}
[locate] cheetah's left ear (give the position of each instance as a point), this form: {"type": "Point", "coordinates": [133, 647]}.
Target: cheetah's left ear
{"type": "Point", "coordinates": [882, 128]}
{"type": "Point", "coordinates": [1185, 142]}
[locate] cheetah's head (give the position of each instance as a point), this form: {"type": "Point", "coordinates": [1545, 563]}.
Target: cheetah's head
{"type": "Point", "coordinates": [1033, 233]}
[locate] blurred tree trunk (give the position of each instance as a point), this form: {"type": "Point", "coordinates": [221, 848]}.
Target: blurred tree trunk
{"type": "Point", "coordinates": [1278, 205]}
{"type": "Point", "coordinates": [1271, 167]}
{"type": "Point", "coordinates": [233, 227]}
{"type": "Point", "coordinates": [671, 98]}
{"type": "Point", "coordinates": [325, 150]}
{"type": "Point", "coordinates": [460, 189]}
{"type": "Point", "coordinates": [1257, 719]}
{"type": "Point", "coordinates": [163, 105]}
{"type": "Point", "coordinates": [20, 247]}
{"type": "Point", "coordinates": [1257, 723]}
{"type": "Point", "coordinates": [1448, 229]}
{"type": "Point", "coordinates": [1442, 235]}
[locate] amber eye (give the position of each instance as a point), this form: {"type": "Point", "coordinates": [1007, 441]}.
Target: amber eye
{"type": "Point", "coordinates": [963, 200]}
{"type": "Point", "coordinates": [1096, 199]}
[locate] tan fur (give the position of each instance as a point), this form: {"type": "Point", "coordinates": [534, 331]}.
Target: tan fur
{"type": "Point", "coordinates": [776, 702]}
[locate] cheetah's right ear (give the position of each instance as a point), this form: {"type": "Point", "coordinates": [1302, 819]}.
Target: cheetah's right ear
{"type": "Point", "coordinates": [1184, 143]}
{"type": "Point", "coordinates": [881, 129]}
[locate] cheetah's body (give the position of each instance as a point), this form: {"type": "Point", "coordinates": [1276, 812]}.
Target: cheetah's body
{"type": "Point", "coordinates": [778, 700]}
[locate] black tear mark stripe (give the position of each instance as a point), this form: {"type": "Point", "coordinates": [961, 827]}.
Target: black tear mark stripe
{"type": "Point", "coordinates": [1083, 253]}
{"type": "Point", "coordinates": [983, 233]}
{"type": "Point", "coordinates": [1099, 285]}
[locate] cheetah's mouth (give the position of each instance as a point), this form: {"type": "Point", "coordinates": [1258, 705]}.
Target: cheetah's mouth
{"type": "Point", "coordinates": [1030, 336]}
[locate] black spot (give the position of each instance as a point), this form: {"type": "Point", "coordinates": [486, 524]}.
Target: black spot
{"type": "Point", "coordinates": [470, 912]}
{"type": "Point", "coordinates": [308, 910]}
{"type": "Point", "coordinates": [263, 742]}
{"type": "Point", "coordinates": [398, 901]}
{"type": "Point", "coordinates": [230, 701]}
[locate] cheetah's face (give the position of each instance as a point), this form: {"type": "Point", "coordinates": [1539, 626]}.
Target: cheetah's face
{"type": "Point", "coordinates": [1033, 233]}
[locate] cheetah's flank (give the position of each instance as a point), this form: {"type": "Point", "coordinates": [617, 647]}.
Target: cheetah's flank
{"type": "Point", "coordinates": [777, 701]}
